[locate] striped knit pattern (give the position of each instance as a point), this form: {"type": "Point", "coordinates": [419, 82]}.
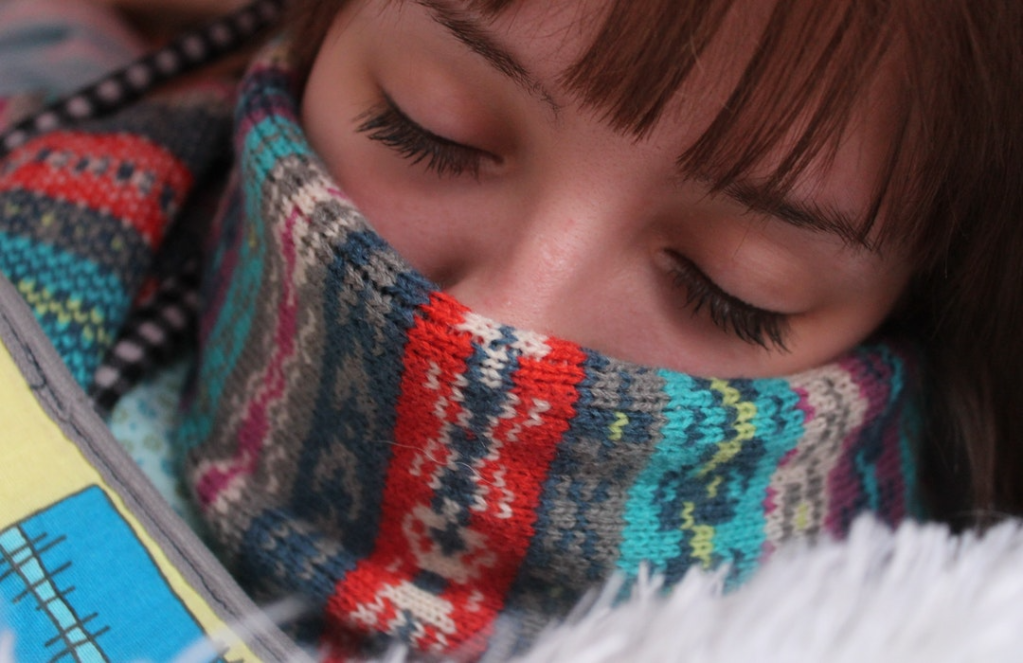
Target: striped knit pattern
{"type": "Point", "coordinates": [422, 473]}
{"type": "Point", "coordinates": [83, 212]}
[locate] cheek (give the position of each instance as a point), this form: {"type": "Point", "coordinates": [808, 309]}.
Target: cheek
{"type": "Point", "coordinates": [851, 318]}
{"type": "Point", "coordinates": [424, 230]}
{"type": "Point", "coordinates": [339, 90]}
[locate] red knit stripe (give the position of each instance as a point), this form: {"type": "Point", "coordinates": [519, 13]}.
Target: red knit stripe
{"type": "Point", "coordinates": [135, 200]}
{"type": "Point", "coordinates": [366, 599]}
{"type": "Point", "coordinates": [374, 595]}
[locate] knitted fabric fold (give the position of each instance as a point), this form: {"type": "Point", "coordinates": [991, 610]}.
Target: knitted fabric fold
{"type": "Point", "coordinates": [420, 472]}
{"type": "Point", "coordinates": [84, 211]}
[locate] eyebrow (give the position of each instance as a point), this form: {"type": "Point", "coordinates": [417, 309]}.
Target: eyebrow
{"type": "Point", "coordinates": [805, 215]}
{"type": "Point", "coordinates": [469, 32]}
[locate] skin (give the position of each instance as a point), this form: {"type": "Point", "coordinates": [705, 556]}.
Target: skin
{"type": "Point", "coordinates": [574, 230]}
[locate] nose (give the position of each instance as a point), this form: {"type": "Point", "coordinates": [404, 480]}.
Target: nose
{"type": "Point", "coordinates": [539, 270]}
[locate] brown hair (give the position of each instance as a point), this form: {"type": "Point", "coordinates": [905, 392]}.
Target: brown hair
{"type": "Point", "coordinates": [952, 184]}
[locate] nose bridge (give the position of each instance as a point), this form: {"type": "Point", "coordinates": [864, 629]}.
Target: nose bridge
{"type": "Point", "coordinates": [557, 236]}
{"type": "Point", "coordinates": [543, 259]}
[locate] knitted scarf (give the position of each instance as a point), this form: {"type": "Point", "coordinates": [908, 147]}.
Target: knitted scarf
{"type": "Point", "coordinates": [419, 472]}
{"type": "Point", "coordinates": [355, 436]}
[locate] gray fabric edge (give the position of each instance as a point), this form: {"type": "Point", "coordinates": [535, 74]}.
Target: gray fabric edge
{"type": "Point", "coordinates": [69, 407]}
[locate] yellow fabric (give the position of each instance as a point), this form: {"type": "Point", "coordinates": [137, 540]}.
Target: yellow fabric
{"type": "Point", "coordinates": [40, 466]}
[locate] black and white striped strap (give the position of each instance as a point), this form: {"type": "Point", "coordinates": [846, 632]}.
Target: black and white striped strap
{"type": "Point", "coordinates": [188, 52]}
{"type": "Point", "coordinates": [150, 336]}
{"type": "Point", "coordinates": [156, 329]}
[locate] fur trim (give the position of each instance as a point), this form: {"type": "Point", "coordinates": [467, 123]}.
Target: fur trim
{"type": "Point", "coordinates": [915, 594]}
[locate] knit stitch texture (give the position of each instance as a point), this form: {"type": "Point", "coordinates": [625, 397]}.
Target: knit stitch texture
{"type": "Point", "coordinates": [419, 472]}
{"type": "Point", "coordinates": [84, 211]}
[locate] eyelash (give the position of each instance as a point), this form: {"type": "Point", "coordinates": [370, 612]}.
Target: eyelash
{"type": "Point", "coordinates": [387, 124]}
{"type": "Point", "coordinates": [753, 325]}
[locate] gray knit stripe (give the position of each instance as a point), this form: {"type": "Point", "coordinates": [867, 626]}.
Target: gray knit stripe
{"type": "Point", "coordinates": [800, 484]}
{"type": "Point", "coordinates": [579, 524]}
{"type": "Point", "coordinates": [272, 481]}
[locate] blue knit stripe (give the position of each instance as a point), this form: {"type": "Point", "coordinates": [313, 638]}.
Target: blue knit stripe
{"type": "Point", "coordinates": [342, 433]}
{"type": "Point", "coordinates": [457, 484]}
{"type": "Point", "coordinates": [779, 426]}
{"type": "Point", "coordinates": [287, 556]}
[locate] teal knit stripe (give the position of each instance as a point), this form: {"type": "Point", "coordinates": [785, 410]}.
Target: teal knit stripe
{"type": "Point", "coordinates": [882, 472]}
{"type": "Point", "coordinates": [266, 143]}
{"type": "Point", "coordinates": [910, 433]}
{"type": "Point", "coordinates": [79, 305]}
{"type": "Point", "coordinates": [725, 464]}
{"type": "Point", "coordinates": [231, 329]}
{"type": "Point", "coordinates": [909, 429]}
{"type": "Point", "coordinates": [682, 446]}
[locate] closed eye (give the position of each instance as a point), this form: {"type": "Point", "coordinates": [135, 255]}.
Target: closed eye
{"type": "Point", "coordinates": [391, 126]}
{"type": "Point", "coordinates": [749, 323]}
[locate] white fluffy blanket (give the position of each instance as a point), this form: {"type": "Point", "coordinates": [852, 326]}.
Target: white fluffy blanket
{"type": "Point", "coordinates": [916, 594]}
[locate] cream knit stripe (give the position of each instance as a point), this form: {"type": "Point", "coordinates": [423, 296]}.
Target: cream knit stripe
{"type": "Point", "coordinates": [835, 406]}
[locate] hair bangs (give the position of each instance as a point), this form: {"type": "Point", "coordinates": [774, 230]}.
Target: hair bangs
{"type": "Point", "coordinates": [805, 77]}
{"type": "Point", "coordinates": [799, 89]}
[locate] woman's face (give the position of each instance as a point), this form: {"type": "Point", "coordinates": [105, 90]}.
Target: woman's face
{"type": "Point", "coordinates": [460, 145]}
